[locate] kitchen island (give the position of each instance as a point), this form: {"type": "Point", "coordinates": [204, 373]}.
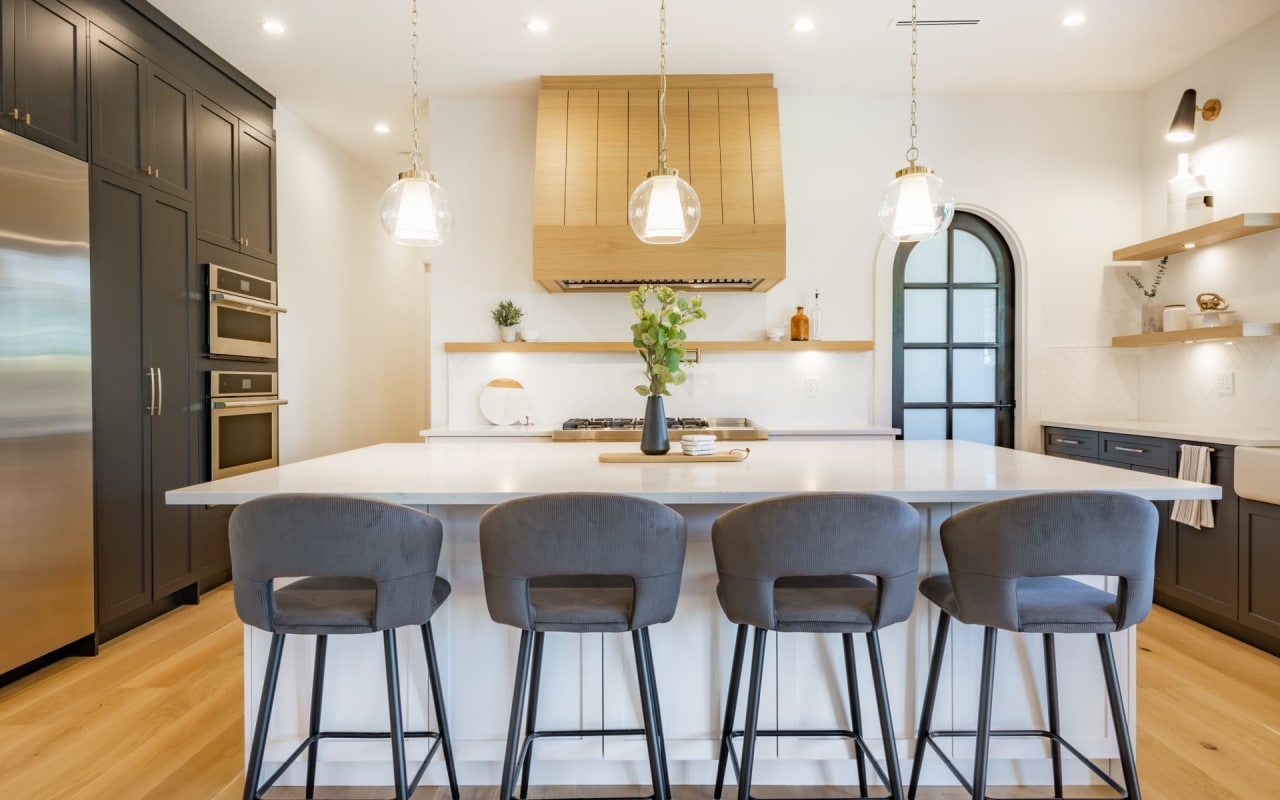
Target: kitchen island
{"type": "Point", "coordinates": [588, 679]}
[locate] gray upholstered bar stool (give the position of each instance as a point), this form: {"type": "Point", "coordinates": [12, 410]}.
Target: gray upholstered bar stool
{"type": "Point", "coordinates": [1007, 561]}
{"type": "Point", "coordinates": [801, 563]}
{"type": "Point", "coordinates": [366, 567]}
{"type": "Point", "coordinates": [581, 563]}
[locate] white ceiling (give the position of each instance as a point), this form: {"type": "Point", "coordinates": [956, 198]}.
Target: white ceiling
{"type": "Point", "coordinates": [343, 65]}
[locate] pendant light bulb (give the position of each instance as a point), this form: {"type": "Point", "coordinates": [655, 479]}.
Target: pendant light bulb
{"type": "Point", "coordinates": [664, 208]}
{"type": "Point", "coordinates": [415, 210]}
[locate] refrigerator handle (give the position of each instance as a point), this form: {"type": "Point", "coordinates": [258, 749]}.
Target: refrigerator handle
{"type": "Point", "coordinates": [160, 392]}
{"type": "Point", "coordinates": [151, 402]}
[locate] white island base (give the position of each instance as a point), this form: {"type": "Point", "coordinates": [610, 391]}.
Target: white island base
{"type": "Point", "coordinates": [589, 680]}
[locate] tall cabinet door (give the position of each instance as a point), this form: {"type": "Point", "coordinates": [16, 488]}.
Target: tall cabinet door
{"type": "Point", "coordinates": [7, 121]}
{"type": "Point", "coordinates": [121, 395]}
{"type": "Point", "coordinates": [257, 194]}
{"type": "Point", "coordinates": [118, 82]}
{"type": "Point", "coordinates": [217, 180]}
{"type": "Point", "coordinates": [170, 123]}
{"type": "Point", "coordinates": [50, 75]}
{"type": "Point", "coordinates": [168, 249]}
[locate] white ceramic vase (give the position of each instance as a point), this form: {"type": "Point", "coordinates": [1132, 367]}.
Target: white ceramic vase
{"type": "Point", "coordinates": [508, 332]}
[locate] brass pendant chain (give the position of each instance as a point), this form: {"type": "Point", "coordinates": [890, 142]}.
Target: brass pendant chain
{"type": "Point", "coordinates": [913, 152]}
{"type": "Point", "coordinates": [415, 156]}
{"type": "Point", "coordinates": [662, 91]}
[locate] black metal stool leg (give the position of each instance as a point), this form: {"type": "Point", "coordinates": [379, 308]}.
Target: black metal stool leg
{"type": "Point", "coordinates": [253, 773]}
{"type": "Point", "coordinates": [855, 710]}
{"type": "Point", "coordinates": [1051, 685]}
{"type": "Point", "coordinates": [752, 721]}
{"type": "Point", "coordinates": [1127, 764]}
{"type": "Point", "coordinates": [657, 714]}
{"type": "Point", "coordinates": [735, 681]}
{"type": "Point", "coordinates": [930, 696]}
{"type": "Point", "coordinates": [517, 711]}
{"type": "Point", "coordinates": [398, 764]}
{"type": "Point", "coordinates": [656, 770]}
{"type": "Point", "coordinates": [531, 717]}
{"type": "Point", "coordinates": [983, 746]}
{"type": "Point", "coordinates": [886, 717]}
{"type": "Point", "coordinates": [442, 719]}
{"type": "Point", "coordinates": [317, 694]}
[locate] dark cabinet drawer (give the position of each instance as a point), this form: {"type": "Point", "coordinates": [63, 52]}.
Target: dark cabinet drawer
{"type": "Point", "coordinates": [1070, 442]}
{"type": "Point", "coordinates": [1137, 450]}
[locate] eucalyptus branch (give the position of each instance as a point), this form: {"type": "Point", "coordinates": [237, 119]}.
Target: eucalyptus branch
{"type": "Point", "coordinates": [1155, 284]}
{"type": "Point", "coordinates": [659, 336]}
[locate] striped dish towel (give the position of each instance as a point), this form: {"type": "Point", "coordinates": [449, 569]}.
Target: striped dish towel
{"type": "Point", "coordinates": [1195, 465]}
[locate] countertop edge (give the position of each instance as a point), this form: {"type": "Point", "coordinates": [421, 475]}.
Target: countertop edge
{"type": "Point", "coordinates": [1164, 430]}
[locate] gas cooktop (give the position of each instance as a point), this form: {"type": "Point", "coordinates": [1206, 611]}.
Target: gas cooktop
{"type": "Point", "coordinates": [628, 429]}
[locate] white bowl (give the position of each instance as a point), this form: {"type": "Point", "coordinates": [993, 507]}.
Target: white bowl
{"type": "Point", "coordinates": [774, 334]}
{"type": "Point", "coordinates": [529, 336]}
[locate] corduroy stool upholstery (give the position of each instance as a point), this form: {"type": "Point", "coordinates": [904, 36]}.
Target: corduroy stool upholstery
{"type": "Point", "coordinates": [369, 567]}
{"type": "Point", "coordinates": [817, 563]}
{"type": "Point", "coordinates": [581, 562]}
{"type": "Point", "coordinates": [1006, 565]}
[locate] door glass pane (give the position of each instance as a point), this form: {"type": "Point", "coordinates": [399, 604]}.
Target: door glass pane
{"type": "Point", "coordinates": [924, 423]}
{"type": "Point", "coordinates": [924, 376]}
{"type": "Point", "coordinates": [973, 261]}
{"type": "Point", "coordinates": [975, 315]}
{"type": "Point", "coordinates": [924, 315]}
{"type": "Point", "coordinates": [973, 377]}
{"type": "Point", "coordinates": [974, 425]}
{"type": "Point", "coordinates": [927, 262]}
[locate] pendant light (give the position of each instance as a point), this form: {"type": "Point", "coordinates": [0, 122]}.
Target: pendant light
{"type": "Point", "coordinates": [415, 210]}
{"type": "Point", "coordinates": [664, 208]}
{"type": "Point", "coordinates": [917, 205]}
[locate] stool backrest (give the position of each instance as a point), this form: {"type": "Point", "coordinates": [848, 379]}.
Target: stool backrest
{"type": "Point", "coordinates": [818, 535]}
{"type": "Point", "coordinates": [308, 535]}
{"type": "Point", "coordinates": [567, 534]}
{"type": "Point", "coordinates": [991, 546]}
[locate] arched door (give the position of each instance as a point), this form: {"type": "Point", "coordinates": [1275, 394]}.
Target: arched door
{"type": "Point", "coordinates": [953, 324]}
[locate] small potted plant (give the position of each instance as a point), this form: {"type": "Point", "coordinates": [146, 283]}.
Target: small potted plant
{"type": "Point", "coordinates": [508, 316]}
{"type": "Point", "coordinates": [658, 336]}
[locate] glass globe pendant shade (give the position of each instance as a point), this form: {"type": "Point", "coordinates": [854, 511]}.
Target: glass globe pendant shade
{"type": "Point", "coordinates": [916, 206]}
{"type": "Point", "coordinates": [664, 208]}
{"type": "Point", "coordinates": [415, 211]}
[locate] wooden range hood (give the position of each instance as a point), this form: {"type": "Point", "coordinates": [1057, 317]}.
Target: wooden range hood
{"type": "Point", "coordinates": [597, 139]}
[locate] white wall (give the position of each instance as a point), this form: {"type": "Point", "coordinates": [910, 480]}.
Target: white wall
{"type": "Point", "coordinates": [1063, 171]}
{"type": "Point", "coordinates": [353, 345]}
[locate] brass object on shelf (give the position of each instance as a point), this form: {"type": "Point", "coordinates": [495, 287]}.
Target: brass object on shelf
{"type": "Point", "coordinates": [1212, 301]}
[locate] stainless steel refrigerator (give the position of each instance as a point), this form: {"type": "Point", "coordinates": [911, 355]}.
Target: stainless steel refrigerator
{"type": "Point", "coordinates": [46, 447]}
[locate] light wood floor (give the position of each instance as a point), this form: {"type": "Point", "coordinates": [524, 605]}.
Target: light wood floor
{"type": "Point", "coordinates": [158, 716]}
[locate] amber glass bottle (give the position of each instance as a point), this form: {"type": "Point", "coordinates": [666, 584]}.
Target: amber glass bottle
{"type": "Point", "coordinates": [800, 326]}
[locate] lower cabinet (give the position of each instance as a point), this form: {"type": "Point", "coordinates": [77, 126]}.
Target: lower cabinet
{"type": "Point", "coordinates": [1259, 566]}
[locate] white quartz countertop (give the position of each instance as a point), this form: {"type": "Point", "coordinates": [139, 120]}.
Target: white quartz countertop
{"type": "Point", "coordinates": [458, 473]}
{"type": "Point", "coordinates": [1192, 431]}
{"type": "Point", "coordinates": [542, 431]}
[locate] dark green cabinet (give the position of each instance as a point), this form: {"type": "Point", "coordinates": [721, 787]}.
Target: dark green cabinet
{"type": "Point", "coordinates": [1259, 566]}
{"type": "Point", "coordinates": [43, 74]}
{"type": "Point", "coordinates": [235, 183]}
{"type": "Point", "coordinates": [142, 245]}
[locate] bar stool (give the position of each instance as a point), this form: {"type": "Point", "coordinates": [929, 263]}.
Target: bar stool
{"type": "Point", "coordinates": [796, 564]}
{"type": "Point", "coordinates": [370, 567]}
{"type": "Point", "coordinates": [1007, 561]}
{"type": "Point", "coordinates": [582, 563]}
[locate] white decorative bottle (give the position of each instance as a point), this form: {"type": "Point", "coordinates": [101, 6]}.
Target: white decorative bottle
{"type": "Point", "coordinates": [815, 319]}
{"type": "Point", "coordinates": [1180, 185]}
{"type": "Point", "coordinates": [1199, 204]}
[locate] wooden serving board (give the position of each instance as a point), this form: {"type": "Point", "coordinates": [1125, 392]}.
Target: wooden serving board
{"type": "Point", "coordinates": [675, 457]}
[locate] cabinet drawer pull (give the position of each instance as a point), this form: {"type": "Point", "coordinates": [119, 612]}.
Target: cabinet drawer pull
{"type": "Point", "coordinates": [1067, 441]}
{"type": "Point", "coordinates": [1137, 450]}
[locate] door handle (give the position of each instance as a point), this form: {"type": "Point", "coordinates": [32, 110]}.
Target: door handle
{"type": "Point", "coordinates": [151, 402]}
{"type": "Point", "coordinates": [160, 393]}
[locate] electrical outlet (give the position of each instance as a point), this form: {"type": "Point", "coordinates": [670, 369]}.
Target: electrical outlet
{"type": "Point", "coordinates": [1226, 384]}
{"type": "Point", "coordinates": [810, 388]}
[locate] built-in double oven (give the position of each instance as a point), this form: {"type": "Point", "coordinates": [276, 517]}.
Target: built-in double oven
{"type": "Point", "coordinates": [244, 404]}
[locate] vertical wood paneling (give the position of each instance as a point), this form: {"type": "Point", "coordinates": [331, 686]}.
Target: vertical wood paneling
{"type": "Point", "coordinates": [678, 130]}
{"type": "Point", "coordinates": [704, 152]}
{"type": "Point", "coordinates": [735, 157]}
{"type": "Point", "coordinates": [612, 191]}
{"type": "Point", "coordinates": [580, 158]}
{"type": "Point", "coordinates": [549, 164]}
{"type": "Point", "coordinates": [766, 157]}
{"type": "Point", "coordinates": [643, 139]}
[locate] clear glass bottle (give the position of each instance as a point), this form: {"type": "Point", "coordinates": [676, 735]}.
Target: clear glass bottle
{"type": "Point", "coordinates": [799, 326]}
{"type": "Point", "coordinates": [815, 319]}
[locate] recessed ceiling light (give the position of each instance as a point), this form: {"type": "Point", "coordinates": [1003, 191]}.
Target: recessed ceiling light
{"type": "Point", "coordinates": [802, 25]}
{"type": "Point", "coordinates": [382, 127]}
{"type": "Point", "coordinates": [1073, 19]}
{"type": "Point", "coordinates": [538, 25]}
{"type": "Point", "coordinates": [273, 26]}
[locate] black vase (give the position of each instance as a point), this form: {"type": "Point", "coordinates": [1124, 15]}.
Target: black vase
{"type": "Point", "coordinates": [654, 440]}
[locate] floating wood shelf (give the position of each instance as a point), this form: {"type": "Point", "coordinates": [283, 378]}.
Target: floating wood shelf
{"type": "Point", "coordinates": [1224, 230]}
{"type": "Point", "coordinates": [626, 347]}
{"type": "Point", "coordinates": [1216, 334]}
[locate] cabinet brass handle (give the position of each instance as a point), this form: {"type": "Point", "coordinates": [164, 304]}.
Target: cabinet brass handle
{"type": "Point", "coordinates": [16, 114]}
{"type": "Point", "coordinates": [1130, 449]}
{"type": "Point", "coordinates": [1068, 441]}
{"type": "Point", "coordinates": [26, 118]}
{"type": "Point", "coordinates": [157, 172]}
{"type": "Point", "coordinates": [148, 170]}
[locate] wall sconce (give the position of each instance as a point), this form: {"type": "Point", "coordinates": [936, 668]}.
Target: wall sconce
{"type": "Point", "coordinates": [1183, 128]}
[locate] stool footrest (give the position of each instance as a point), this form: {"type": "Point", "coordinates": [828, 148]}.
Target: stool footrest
{"type": "Point", "coordinates": [1018, 734]}
{"type": "Point", "coordinates": [533, 736]}
{"type": "Point", "coordinates": [353, 735]}
{"type": "Point", "coordinates": [856, 738]}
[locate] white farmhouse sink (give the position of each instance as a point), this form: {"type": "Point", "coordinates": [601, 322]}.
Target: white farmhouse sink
{"type": "Point", "coordinates": [1258, 474]}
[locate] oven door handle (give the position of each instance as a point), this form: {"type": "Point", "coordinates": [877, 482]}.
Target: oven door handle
{"type": "Point", "coordinates": [246, 302]}
{"type": "Point", "coordinates": [248, 403]}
